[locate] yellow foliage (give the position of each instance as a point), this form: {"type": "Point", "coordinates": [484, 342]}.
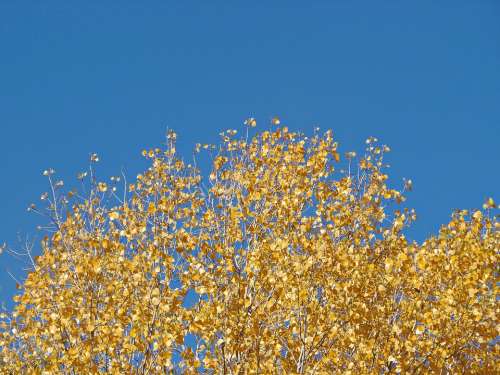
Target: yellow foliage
{"type": "Point", "coordinates": [297, 268]}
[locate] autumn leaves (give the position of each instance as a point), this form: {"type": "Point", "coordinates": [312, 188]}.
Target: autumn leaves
{"type": "Point", "coordinates": [294, 266]}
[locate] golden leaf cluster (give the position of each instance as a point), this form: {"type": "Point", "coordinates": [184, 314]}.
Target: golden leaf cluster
{"type": "Point", "coordinates": [277, 264]}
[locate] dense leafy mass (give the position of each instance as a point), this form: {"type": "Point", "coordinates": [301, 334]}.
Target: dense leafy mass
{"type": "Point", "coordinates": [276, 263]}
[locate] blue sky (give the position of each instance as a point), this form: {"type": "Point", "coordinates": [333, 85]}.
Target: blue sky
{"type": "Point", "coordinates": [81, 77]}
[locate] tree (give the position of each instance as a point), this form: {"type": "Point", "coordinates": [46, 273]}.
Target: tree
{"type": "Point", "coordinates": [276, 264]}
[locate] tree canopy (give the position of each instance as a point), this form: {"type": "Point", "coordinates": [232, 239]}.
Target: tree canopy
{"type": "Point", "coordinates": [275, 262]}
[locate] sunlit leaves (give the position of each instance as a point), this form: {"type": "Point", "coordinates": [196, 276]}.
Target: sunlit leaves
{"type": "Point", "coordinates": [274, 263]}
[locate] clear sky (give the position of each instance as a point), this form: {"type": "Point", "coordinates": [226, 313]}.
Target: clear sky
{"type": "Point", "coordinates": [81, 77]}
